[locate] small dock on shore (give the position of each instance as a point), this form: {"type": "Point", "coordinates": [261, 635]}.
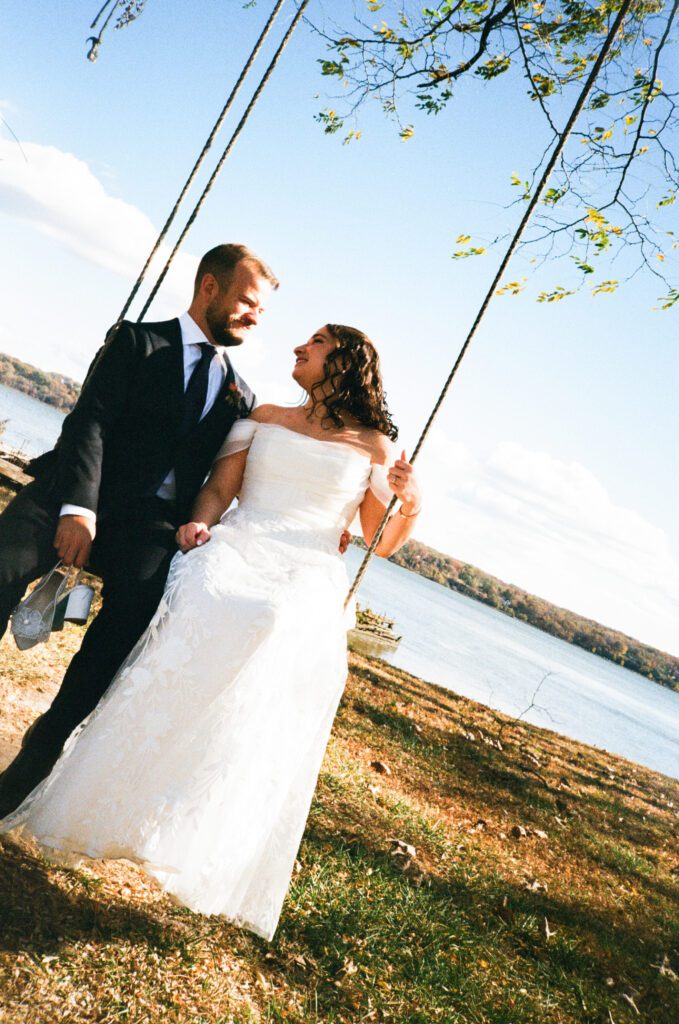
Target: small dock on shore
{"type": "Point", "coordinates": [373, 633]}
{"type": "Point", "coordinates": [11, 473]}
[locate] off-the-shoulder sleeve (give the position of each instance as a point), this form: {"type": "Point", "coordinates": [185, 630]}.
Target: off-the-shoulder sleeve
{"type": "Point", "coordinates": [238, 439]}
{"type": "Point", "coordinates": [379, 484]}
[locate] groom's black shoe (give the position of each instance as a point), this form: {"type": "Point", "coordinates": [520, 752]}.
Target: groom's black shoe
{"type": "Point", "coordinates": [20, 778]}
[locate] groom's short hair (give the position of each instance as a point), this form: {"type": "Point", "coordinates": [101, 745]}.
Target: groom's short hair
{"type": "Point", "coordinates": [223, 260]}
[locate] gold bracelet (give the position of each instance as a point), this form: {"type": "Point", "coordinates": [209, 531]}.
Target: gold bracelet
{"type": "Point", "coordinates": [412, 514]}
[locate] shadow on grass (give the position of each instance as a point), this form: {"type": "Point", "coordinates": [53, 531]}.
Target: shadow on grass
{"type": "Point", "coordinates": [479, 910]}
{"type": "Point", "coordinates": [647, 832]}
{"type": "Point", "coordinates": [445, 757]}
{"type": "Point", "coordinates": [39, 916]}
{"type": "Point", "coordinates": [449, 765]}
{"type": "Point", "coordinates": [428, 696]}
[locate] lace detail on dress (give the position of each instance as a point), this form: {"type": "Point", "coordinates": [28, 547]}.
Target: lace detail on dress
{"type": "Point", "coordinates": [201, 760]}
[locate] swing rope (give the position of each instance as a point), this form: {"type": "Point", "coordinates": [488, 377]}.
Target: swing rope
{"type": "Point", "coordinates": [556, 153]}
{"type": "Point", "coordinates": [265, 78]}
{"type": "Point", "coordinates": [239, 127]}
{"type": "Point", "coordinates": [203, 153]}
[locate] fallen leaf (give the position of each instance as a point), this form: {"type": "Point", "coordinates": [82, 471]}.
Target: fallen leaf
{"type": "Point", "coordinates": [665, 969]}
{"type": "Point", "coordinates": [402, 849]}
{"type": "Point", "coordinates": [533, 885]}
{"type": "Point", "coordinates": [349, 967]}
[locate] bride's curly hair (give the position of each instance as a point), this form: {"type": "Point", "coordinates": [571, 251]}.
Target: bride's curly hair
{"type": "Point", "coordinates": [353, 382]}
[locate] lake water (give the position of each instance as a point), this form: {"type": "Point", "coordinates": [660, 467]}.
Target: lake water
{"type": "Point", "coordinates": [475, 650]}
{"type": "Point", "coordinates": [478, 652]}
{"type": "Point", "coordinates": [32, 426]}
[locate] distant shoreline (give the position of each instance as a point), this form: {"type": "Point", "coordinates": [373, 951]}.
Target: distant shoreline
{"type": "Point", "coordinates": [623, 650]}
{"type": "Point", "coordinates": [51, 388]}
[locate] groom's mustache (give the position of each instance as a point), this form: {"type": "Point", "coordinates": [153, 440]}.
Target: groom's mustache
{"type": "Point", "coordinates": [225, 335]}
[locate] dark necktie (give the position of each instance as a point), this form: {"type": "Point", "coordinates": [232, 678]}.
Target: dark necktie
{"type": "Point", "coordinates": [196, 391]}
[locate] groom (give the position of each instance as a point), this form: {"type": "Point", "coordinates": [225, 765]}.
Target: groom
{"type": "Point", "coordinates": [156, 404]}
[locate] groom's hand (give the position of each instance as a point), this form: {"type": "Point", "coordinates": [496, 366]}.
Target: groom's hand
{"type": "Point", "coordinates": [73, 539]}
{"type": "Point", "coordinates": [192, 535]}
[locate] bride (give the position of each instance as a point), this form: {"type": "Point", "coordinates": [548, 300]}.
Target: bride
{"type": "Point", "coordinates": [201, 761]}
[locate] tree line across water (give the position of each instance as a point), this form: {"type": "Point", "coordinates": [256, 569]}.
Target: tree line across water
{"type": "Point", "coordinates": [52, 388]}
{"type": "Point", "coordinates": [559, 622]}
{"type": "Point", "coordinates": [62, 392]}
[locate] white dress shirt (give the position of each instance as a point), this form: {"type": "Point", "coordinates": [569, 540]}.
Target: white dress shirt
{"type": "Point", "coordinates": [192, 339]}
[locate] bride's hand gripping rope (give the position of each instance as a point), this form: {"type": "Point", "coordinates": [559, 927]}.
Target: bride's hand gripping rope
{"type": "Point", "coordinates": [404, 484]}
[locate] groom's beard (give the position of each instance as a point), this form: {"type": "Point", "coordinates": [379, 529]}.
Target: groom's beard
{"type": "Point", "coordinates": [229, 333]}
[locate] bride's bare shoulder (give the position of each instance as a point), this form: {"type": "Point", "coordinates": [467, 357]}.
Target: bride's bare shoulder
{"type": "Point", "coordinates": [267, 413]}
{"type": "Point", "coordinates": [382, 449]}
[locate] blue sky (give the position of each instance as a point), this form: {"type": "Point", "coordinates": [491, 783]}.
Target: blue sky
{"type": "Point", "coordinates": [553, 464]}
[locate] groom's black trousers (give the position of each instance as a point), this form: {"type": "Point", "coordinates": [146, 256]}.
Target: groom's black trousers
{"type": "Point", "coordinates": [131, 554]}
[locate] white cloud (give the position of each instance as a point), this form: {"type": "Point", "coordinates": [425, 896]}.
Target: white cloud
{"type": "Point", "coordinates": [551, 528]}
{"type": "Point", "coordinates": [59, 196]}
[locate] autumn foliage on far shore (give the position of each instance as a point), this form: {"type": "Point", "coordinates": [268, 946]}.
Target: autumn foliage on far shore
{"type": "Point", "coordinates": [559, 622]}
{"type": "Point", "coordinates": [51, 388]}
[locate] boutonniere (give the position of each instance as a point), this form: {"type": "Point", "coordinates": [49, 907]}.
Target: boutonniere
{"type": "Point", "coordinates": [233, 393]}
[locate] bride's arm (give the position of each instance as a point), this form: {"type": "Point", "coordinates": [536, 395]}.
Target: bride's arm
{"type": "Point", "coordinates": [214, 497]}
{"type": "Point", "coordinates": [225, 480]}
{"type": "Point", "coordinates": [404, 484]}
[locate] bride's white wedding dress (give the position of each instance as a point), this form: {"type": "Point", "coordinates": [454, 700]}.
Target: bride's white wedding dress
{"type": "Point", "coordinates": [201, 760]}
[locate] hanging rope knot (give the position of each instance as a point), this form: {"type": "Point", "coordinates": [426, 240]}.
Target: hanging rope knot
{"type": "Point", "coordinates": [93, 51]}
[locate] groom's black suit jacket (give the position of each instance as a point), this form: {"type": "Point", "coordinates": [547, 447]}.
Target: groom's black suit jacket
{"type": "Point", "coordinates": [123, 436]}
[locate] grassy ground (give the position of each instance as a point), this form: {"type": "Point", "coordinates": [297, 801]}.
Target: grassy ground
{"type": "Point", "coordinates": [571, 921]}
{"type": "Point", "coordinates": [494, 873]}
